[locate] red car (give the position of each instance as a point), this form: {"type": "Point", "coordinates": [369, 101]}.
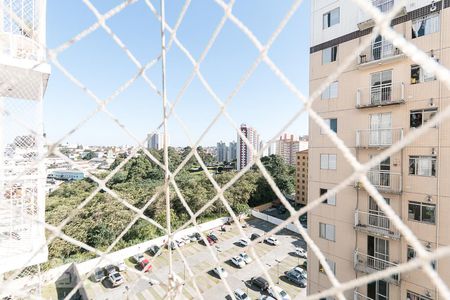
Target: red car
{"type": "Point", "coordinates": [210, 241]}
{"type": "Point", "coordinates": [145, 265]}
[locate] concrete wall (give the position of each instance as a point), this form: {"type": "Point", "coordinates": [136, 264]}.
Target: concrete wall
{"type": "Point", "coordinates": [273, 220]}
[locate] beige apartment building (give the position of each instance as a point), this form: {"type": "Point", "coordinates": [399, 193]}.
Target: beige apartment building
{"type": "Point", "coordinates": [376, 101]}
{"type": "Point", "coordinates": [301, 174]}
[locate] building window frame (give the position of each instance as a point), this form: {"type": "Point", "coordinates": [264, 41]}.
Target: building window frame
{"type": "Point", "coordinates": [330, 263]}
{"type": "Point", "coordinates": [329, 55]}
{"type": "Point", "coordinates": [422, 212]}
{"type": "Point", "coordinates": [327, 232]}
{"type": "Point", "coordinates": [414, 296]}
{"type": "Point", "coordinates": [419, 117]}
{"type": "Point", "coordinates": [425, 25]}
{"type": "Point", "coordinates": [331, 91]}
{"type": "Point", "coordinates": [330, 200]}
{"type": "Point", "coordinates": [332, 124]}
{"type": "Point", "coordinates": [419, 75]}
{"type": "Point", "coordinates": [331, 18]}
{"type": "Point", "coordinates": [422, 165]}
{"type": "Point", "coordinates": [328, 161]}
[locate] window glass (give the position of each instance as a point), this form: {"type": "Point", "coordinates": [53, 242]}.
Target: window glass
{"type": "Point", "coordinates": [329, 55]}
{"type": "Point", "coordinates": [425, 25]}
{"type": "Point", "coordinates": [428, 214]}
{"type": "Point", "coordinates": [331, 18]}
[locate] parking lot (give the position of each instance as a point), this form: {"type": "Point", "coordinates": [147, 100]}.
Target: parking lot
{"type": "Point", "coordinates": [276, 259]}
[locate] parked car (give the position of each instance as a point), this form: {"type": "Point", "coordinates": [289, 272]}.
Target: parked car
{"type": "Point", "coordinates": [301, 272]}
{"type": "Point", "coordinates": [278, 293]}
{"type": "Point", "coordinates": [272, 241]}
{"type": "Point", "coordinates": [254, 236]}
{"type": "Point", "coordinates": [145, 265]}
{"type": "Point", "coordinates": [173, 245]}
{"type": "Point", "coordinates": [220, 272]}
{"type": "Point", "coordinates": [296, 278]}
{"type": "Point", "coordinates": [266, 297]}
{"type": "Point", "coordinates": [304, 266]}
{"type": "Point", "coordinates": [247, 259]}
{"type": "Point", "coordinates": [116, 279]}
{"type": "Point", "coordinates": [138, 257]}
{"type": "Point", "coordinates": [243, 242]}
{"type": "Point", "coordinates": [240, 295]}
{"type": "Point", "coordinates": [213, 237]}
{"type": "Point", "coordinates": [238, 261]}
{"type": "Point", "coordinates": [121, 266]}
{"type": "Point", "coordinates": [260, 282]}
{"type": "Point", "coordinates": [110, 269]}
{"type": "Point", "coordinates": [153, 250]}
{"type": "Point", "coordinates": [210, 241]}
{"type": "Point", "coordinates": [194, 237]}
{"type": "Point", "coordinates": [99, 274]}
{"type": "Point", "coordinates": [282, 209]}
{"type": "Point", "coordinates": [180, 243]}
{"type": "Point", "coordinates": [301, 252]}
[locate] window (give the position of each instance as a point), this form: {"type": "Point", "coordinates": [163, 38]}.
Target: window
{"type": "Point", "coordinates": [381, 87]}
{"type": "Point", "coordinates": [331, 91]}
{"type": "Point", "coordinates": [328, 161]}
{"type": "Point", "coordinates": [418, 75]}
{"type": "Point", "coordinates": [331, 18]}
{"type": "Point", "coordinates": [411, 253]}
{"type": "Point", "coordinates": [383, 5]}
{"type": "Point", "coordinates": [419, 117]}
{"type": "Point", "coordinates": [425, 25]}
{"type": "Point", "coordinates": [422, 212]}
{"type": "Point", "coordinates": [330, 200]}
{"type": "Point", "coordinates": [327, 231]}
{"type": "Point", "coordinates": [422, 165]}
{"type": "Point", "coordinates": [329, 55]}
{"type": "Point", "coordinates": [414, 296]}
{"type": "Point", "coordinates": [332, 265]}
{"type": "Point", "coordinates": [332, 123]}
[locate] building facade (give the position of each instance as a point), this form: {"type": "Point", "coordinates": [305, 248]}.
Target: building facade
{"type": "Point", "coordinates": [287, 148]}
{"type": "Point", "coordinates": [232, 151]}
{"type": "Point", "coordinates": [244, 153]}
{"type": "Point", "coordinates": [222, 152]}
{"type": "Point", "coordinates": [155, 141]}
{"type": "Point", "coordinates": [301, 174]}
{"type": "Point", "coordinates": [382, 96]}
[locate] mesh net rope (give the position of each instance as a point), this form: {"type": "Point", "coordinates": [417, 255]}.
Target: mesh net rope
{"type": "Point", "coordinates": [175, 284]}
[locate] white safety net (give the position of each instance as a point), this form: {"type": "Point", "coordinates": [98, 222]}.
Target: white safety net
{"type": "Point", "coordinates": [175, 284]}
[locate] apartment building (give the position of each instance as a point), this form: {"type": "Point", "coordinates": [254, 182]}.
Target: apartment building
{"type": "Point", "coordinates": [301, 173]}
{"type": "Point", "coordinates": [243, 152]}
{"type": "Point", "coordinates": [381, 97]}
{"type": "Point", "coordinates": [287, 147]}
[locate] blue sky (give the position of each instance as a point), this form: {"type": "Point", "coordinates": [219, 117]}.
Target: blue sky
{"type": "Point", "coordinates": [264, 102]}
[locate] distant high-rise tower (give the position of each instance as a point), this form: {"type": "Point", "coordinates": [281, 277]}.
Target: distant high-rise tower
{"type": "Point", "coordinates": [222, 152]}
{"type": "Point", "coordinates": [24, 75]}
{"type": "Point", "coordinates": [244, 153]}
{"type": "Point", "coordinates": [287, 147]}
{"type": "Point", "coordinates": [232, 151]}
{"type": "Point", "coordinates": [155, 141]}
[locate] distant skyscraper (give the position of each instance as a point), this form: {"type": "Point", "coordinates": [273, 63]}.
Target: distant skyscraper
{"type": "Point", "coordinates": [155, 141]}
{"type": "Point", "coordinates": [244, 153]}
{"type": "Point", "coordinates": [222, 152]}
{"type": "Point", "coordinates": [232, 151]}
{"type": "Point", "coordinates": [287, 147]}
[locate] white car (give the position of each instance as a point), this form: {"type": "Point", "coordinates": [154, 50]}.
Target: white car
{"type": "Point", "coordinates": [238, 261]}
{"type": "Point", "coordinates": [221, 272]}
{"type": "Point", "coordinates": [186, 240]}
{"type": "Point", "coordinates": [180, 243]}
{"type": "Point", "coordinates": [246, 258]}
{"type": "Point", "coordinates": [301, 271]}
{"type": "Point", "coordinates": [272, 241]}
{"type": "Point", "coordinates": [278, 293]}
{"type": "Point", "coordinates": [138, 257]}
{"type": "Point", "coordinates": [240, 295]}
{"type": "Point", "coordinates": [243, 242]}
{"type": "Point", "coordinates": [301, 252]}
{"type": "Point", "coordinates": [121, 266]}
{"type": "Point", "coordinates": [116, 279]}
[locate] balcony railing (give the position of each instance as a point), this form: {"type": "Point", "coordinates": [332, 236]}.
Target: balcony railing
{"type": "Point", "coordinates": [385, 181]}
{"type": "Point", "coordinates": [358, 296]}
{"type": "Point", "coordinates": [375, 224]}
{"type": "Point", "coordinates": [379, 95]}
{"type": "Point", "coordinates": [370, 264]}
{"type": "Point", "coordinates": [378, 138]}
{"type": "Point", "coordinates": [379, 51]}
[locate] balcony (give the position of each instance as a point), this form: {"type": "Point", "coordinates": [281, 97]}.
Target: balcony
{"type": "Point", "coordinates": [375, 224]}
{"type": "Point", "coordinates": [379, 53]}
{"type": "Point", "coordinates": [370, 264]}
{"type": "Point", "coordinates": [378, 138]}
{"type": "Point", "coordinates": [381, 95]}
{"type": "Point", "coordinates": [384, 181]}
